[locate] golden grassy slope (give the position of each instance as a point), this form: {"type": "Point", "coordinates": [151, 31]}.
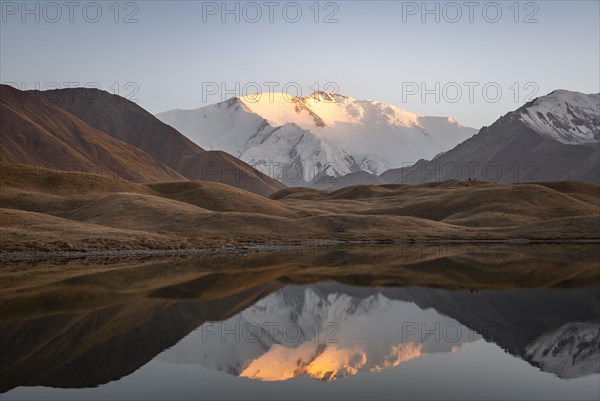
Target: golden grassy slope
{"type": "Point", "coordinates": [82, 211]}
{"type": "Point", "coordinates": [471, 203]}
{"type": "Point", "coordinates": [35, 132]}
{"type": "Point", "coordinates": [220, 198]}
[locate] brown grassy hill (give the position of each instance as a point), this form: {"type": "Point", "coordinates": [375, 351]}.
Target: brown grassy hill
{"type": "Point", "coordinates": [136, 211]}
{"type": "Point", "coordinates": [41, 190]}
{"type": "Point", "coordinates": [298, 193]}
{"type": "Point", "coordinates": [476, 204]}
{"type": "Point", "coordinates": [220, 198]}
{"type": "Point", "coordinates": [53, 210]}
{"type": "Point", "coordinates": [22, 231]}
{"type": "Point", "coordinates": [241, 216]}
{"type": "Point", "coordinates": [125, 120]}
{"type": "Point", "coordinates": [55, 192]}
{"type": "Point", "coordinates": [359, 192]}
{"type": "Point", "coordinates": [580, 190]}
{"type": "Point", "coordinates": [21, 177]}
{"type": "Point", "coordinates": [38, 133]}
{"type": "Point", "coordinates": [221, 167]}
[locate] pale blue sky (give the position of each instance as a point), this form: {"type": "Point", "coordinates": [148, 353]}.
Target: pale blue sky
{"type": "Point", "coordinates": [376, 50]}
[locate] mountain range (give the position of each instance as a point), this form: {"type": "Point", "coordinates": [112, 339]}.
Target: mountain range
{"type": "Point", "coordinates": [331, 141]}
{"type": "Point", "coordinates": [335, 336]}
{"type": "Point", "coordinates": [560, 345]}
{"type": "Point", "coordinates": [325, 140]}
{"type": "Point", "coordinates": [298, 140]}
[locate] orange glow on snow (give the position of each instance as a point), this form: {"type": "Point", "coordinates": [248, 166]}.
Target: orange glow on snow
{"type": "Point", "coordinates": [324, 362]}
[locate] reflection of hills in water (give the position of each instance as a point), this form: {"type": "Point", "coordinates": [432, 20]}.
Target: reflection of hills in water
{"type": "Point", "coordinates": [92, 347]}
{"type": "Point", "coordinates": [522, 320]}
{"type": "Point", "coordinates": [332, 334]}
{"type": "Point", "coordinates": [77, 324]}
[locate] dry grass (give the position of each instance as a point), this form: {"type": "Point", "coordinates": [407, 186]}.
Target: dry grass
{"type": "Point", "coordinates": [47, 210]}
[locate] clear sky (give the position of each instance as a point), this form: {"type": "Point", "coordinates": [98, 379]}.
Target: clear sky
{"type": "Point", "coordinates": [182, 54]}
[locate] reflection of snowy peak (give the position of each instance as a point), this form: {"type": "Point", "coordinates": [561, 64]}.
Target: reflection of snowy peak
{"type": "Point", "coordinates": [572, 350]}
{"type": "Point", "coordinates": [321, 133]}
{"type": "Point", "coordinates": [568, 117]}
{"type": "Point", "coordinates": [303, 331]}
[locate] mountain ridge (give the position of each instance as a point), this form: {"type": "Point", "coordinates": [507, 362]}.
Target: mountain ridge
{"type": "Point", "coordinates": [38, 133]}
{"type": "Point", "coordinates": [325, 134]}
{"type": "Point", "coordinates": [562, 144]}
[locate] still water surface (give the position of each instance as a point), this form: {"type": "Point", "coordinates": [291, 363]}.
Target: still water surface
{"type": "Point", "coordinates": [337, 324]}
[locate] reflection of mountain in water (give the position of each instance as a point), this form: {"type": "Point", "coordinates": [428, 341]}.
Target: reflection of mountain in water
{"type": "Point", "coordinates": [557, 330]}
{"type": "Point", "coordinates": [381, 327]}
{"type": "Point", "coordinates": [553, 329]}
{"type": "Point", "coordinates": [315, 332]}
{"type": "Point", "coordinates": [572, 350]}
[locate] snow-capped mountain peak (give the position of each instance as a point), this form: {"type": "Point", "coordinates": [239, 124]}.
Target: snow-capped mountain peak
{"type": "Point", "coordinates": [568, 117]}
{"type": "Point", "coordinates": [324, 133]}
{"type": "Point", "coordinates": [280, 108]}
{"type": "Point", "coordinates": [325, 96]}
{"type": "Point", "coordinates": [324, 109]}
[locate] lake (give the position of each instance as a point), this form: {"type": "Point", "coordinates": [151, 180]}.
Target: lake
{"type": "Point", "coordinates": [410, 321]}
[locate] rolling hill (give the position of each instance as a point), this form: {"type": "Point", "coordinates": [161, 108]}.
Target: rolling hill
{"type": "Point", "coordinates": [49, 210]}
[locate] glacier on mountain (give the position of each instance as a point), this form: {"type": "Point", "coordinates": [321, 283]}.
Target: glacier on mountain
{"type": "Point", "coordinates": [298, 139]}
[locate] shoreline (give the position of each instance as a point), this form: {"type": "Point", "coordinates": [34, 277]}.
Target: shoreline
{"type": "Point", "coordinates": [15, 256]}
